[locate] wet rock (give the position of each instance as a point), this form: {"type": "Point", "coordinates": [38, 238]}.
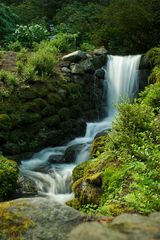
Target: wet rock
{"type": "Point", "coordinates": [56, 158]}
{"type": "Point", "coordinates": [99, 61]}
{"type": "Point", "coordinates": [144, 64]}
{"type": "Point", "coordinates": [143, 78]}
{"type": "Point", "coordinates": [26, 186]}
{"type": "Point", "coordinates": [100, 51]}
{"type": "Point", "coordinates": [100, 73]}
{"type": "Point", "coordinates": [102, 133]}
{"type": "Point", "coordinates": [72, 151]}
{"type": "Point", "coordinates": [75, 56]}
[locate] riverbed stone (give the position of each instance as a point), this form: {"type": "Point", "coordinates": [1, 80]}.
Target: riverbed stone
{"type": "Point", "coordinates": [72, 152]}
{"type": "Point", "coordinates": [56, 158]}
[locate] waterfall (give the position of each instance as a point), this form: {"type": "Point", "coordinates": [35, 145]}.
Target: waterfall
{"type": "Point", "coordinates": [120, 83]}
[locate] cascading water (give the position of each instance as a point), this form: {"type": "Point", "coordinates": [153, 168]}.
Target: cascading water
{"type": "Point", "coordinates": [121, 82]}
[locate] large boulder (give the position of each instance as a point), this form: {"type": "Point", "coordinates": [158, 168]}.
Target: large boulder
{"type": "Point", "coordinates": [74, 56]}
{"type": "Point", "coordinates": [123, 227]}
{"type": "Point", "coordinates": [37, 218]}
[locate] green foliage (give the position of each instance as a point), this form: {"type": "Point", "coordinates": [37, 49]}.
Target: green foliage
{"type": "Point", "coordinates": [28, 34]}
{"type": "Point", "coordinates": [87, 46]}
{"type": "Point", "coordinates": [8, 177]}
{"type": "Point", "coordinates": [15, 46]}
{"type": "Point", "coordinates": [40, 63]}
{"type": "Point", "coordinates": [9, 83]}
{"type": "Point", "coordinates": [153, 57]}
{"type": "Point", "coordinates": [7, 21]}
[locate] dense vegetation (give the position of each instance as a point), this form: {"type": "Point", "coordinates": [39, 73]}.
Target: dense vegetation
{"type": "Point", "coordinates": [8, 177]}
{"type": "Point", "coordinates": [123, 174]}
{"type": "Point", "coordinates": [122, 26]}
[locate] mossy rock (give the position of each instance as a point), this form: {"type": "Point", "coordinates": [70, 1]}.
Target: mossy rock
{"type": "Point", "coordinates": [97, 146]}
{"type": "Point", "coordinates": [54, 99]}
{"type": "Point", "coordinates": [87, 193]}
{"type": "Point", "coordinates": [36, 105]}
{"type": "Point", "coordinates": [8, 177]}
{"type": "Point", "coordinates": [13, 224]}
{"type": "Point", "coordinates": [5, 122]}
{"type": "Point", "coordinates": [64, 114]}
{"type": "Point", "coordinates": [53, 121]}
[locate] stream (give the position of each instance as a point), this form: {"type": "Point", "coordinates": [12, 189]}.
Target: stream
{"type": "Point", "coordinates": [54, 179]}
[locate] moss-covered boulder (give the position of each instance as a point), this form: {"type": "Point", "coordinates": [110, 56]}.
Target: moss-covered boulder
{"type": "Point", "coordinates": [8, 177]}
{"type": "Point", "coordinates": [37, 218]}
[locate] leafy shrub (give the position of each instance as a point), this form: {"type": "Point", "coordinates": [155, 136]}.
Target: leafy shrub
{"type": "Point", "coordinates": [61, 42]}
{"type": "Point", "coordinates": [40, 63]}
{"type": "Point", "coordinates": [87, 46]}
{"type": "Point", "coordinates": [28, 34]}
{"type": "Point", "coordinates": [7, 21]}
{"type": "Point", "coordinates": [8, 177]}
{"type": "Point", "coordinates": [15, 46]}
{"type": "Point", "coordinates": [9, 82]}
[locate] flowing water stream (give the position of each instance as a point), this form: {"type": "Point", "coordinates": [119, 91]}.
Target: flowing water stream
{"type": "Point", "coordinates": [120, 83]}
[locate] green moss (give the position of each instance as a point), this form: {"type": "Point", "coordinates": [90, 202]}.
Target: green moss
{"type": "Point", "coordinates": [54, 99]}
{"type": "Point", "coordinates": [97, 146]}
{"type": "Point", "coordinates": [13, 225]}
{"type": "Point", "coordinates": [74, 203]}
{"type": "Point", "coordinates": [8, 176]}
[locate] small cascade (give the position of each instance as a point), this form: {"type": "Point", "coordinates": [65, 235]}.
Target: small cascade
{"type": "Point", "coordinates": [54, 179]}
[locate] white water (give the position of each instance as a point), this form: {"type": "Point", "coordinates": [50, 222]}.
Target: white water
{"type": "Point", "coordinates": [121, 82]}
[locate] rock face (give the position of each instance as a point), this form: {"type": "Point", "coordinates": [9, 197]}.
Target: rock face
{"type": "Point", "coordinates": [123, 227]}
{"type": "Point", "coordinates": [144, 72]}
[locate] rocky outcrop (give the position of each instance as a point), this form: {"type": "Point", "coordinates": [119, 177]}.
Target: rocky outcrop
{"type": "Point", "coordinates": [50, 112]}
{"type": "Point", "coordinates": [144, 72]}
